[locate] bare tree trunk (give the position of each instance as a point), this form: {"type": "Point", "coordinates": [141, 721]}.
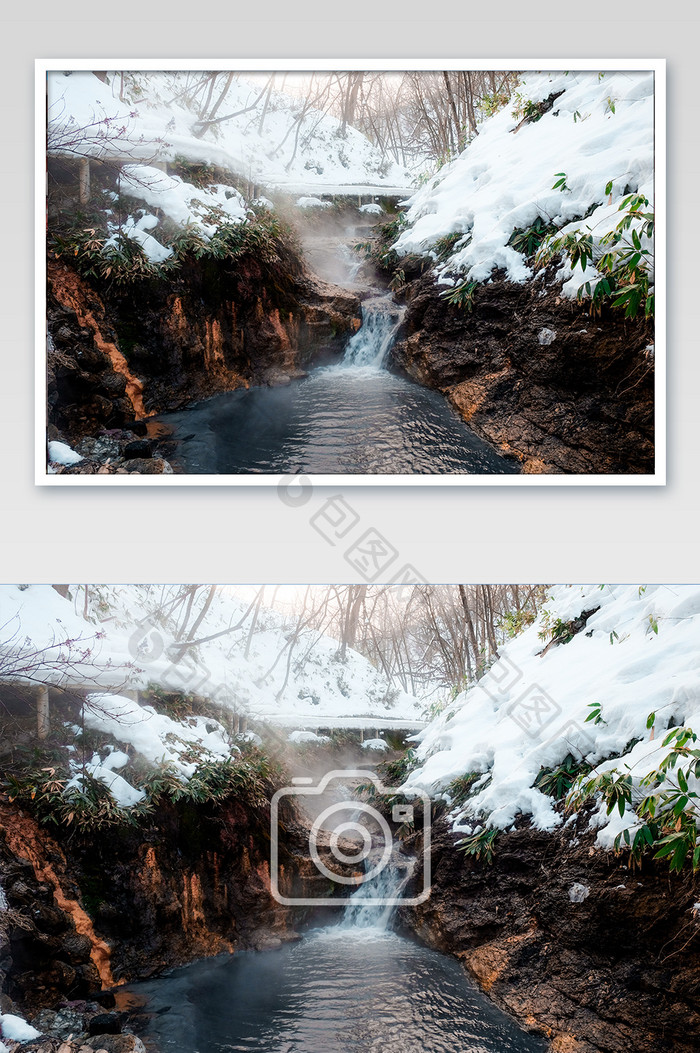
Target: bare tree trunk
{"type": "Point", "coordinates": [43, 724]}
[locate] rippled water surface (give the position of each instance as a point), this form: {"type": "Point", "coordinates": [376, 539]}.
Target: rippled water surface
{"type": "Point", "coordinates": [357, 991]}
{"type": "Point", "coordinates": [339, 419]}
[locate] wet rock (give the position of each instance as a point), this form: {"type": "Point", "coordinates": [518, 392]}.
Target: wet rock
{"type": "Point", "coordinates": [62, 1023]}
{"type": "Point", "coordinates": [137, 427]}
{"type": "Point", "coordinates": [152, 466]}
{"type": "Point", "coordinates": [116, 1043]}
{"type": "Point", "coordinates": [592, 976]}
{"type": "Point", "coordinates": [113, 384]}
{"type": "Point", "coordinates": [139, 448]}
{"type": "Point", "coordinates": [99, 449]}
{"type": "Point", "coordinates": [106, 1024]}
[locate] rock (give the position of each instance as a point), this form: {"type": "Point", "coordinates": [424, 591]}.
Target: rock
{"type": "Point", "coordinates": [279, 380]}
{"type": "Point", "coordinates": [77, 948]}
{"type": "Point", "coordinates": [113, 384]}
{"type": "Point", "coordinates": [63, 1023]}
{"type": "Point", "coordinates": [106, 1024]}
{"type": "Point", "coordinates": [116, 1044]}
{"type": "Point", "coordinates": [105, 998]}
{"type": "Point", "coordinates": [138, 427]}
{"type": "Point", "coordinates": [153, 466]}
{"type": "Point", "coordinates": [98, 449]}
{"type": "Point", "coordinates": [44, 1021]}
{"type": "Point", "coordinates": [528, 376]}
{"type": "Point", "coordinates": [139, 448]}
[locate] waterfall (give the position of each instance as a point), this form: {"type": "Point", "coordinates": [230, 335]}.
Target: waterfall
{"type": "Point", "coordinates": [381, 318]}
{"type": "Point", "coordinates": [3, 899]}
{"type": "Point", "coordinates": [374, 903]}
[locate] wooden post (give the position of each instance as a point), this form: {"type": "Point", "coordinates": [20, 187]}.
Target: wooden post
{"type": "Point", "coordinates": [84, 181]}
{"type": "Point", "coordinates": [42, 712]}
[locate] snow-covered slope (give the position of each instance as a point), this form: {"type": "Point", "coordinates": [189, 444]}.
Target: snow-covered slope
{"type": "Point", "coordinates": [262, 671]}
{"type": "Point", "coordinates": [152, 122]}
{"type": "Point", "coordinates": [598, 134]}
{"type": "Point", "coordinates": [637, 655]}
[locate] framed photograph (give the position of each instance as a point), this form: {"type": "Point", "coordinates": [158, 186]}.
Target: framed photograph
{"type": "Point", "coordinates": [359, 272]}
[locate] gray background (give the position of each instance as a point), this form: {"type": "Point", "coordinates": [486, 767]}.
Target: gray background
{"type": "Point", "coordinates": [249, 534]}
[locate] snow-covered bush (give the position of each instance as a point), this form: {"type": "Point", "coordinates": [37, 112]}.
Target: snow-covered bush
{"type": "Point", "coordinates": [600, 708]}
{"type": "Point", "coordinates": [550, 172]}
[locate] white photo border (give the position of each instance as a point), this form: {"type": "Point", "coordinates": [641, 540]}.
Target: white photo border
{"type": "Point", "coordinates": [657, 66]}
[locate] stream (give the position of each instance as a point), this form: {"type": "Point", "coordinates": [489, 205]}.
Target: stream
{"type": "Point", "coordinates": [354, 986]}
{"type": "Point", "coordinates": [361, 990]}
{"type": "Point", "coordinates": [353, 417]}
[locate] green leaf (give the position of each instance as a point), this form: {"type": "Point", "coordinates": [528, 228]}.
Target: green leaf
{"type": "Point", "coordinates": [651, 720]}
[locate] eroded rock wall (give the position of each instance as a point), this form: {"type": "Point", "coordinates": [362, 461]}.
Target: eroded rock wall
{"type": "Point", "coordinates": [118, 354]}
{"type": "Point", "coordinates": [91, 912]}
{"type": "Point", "coordinates": [597, 956]}
{"type": "Point", "coordinates": [537, 375]}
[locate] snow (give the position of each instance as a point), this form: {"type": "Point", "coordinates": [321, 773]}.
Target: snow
{"type": "Point", "coordinates": [546, 336]}
{"type": "Point", "coordinates": [375, 744]}
{"type": "Point", "coordinates": [313, 202]}
{"type": "Point", "coordinates": [578, 892]}
{"type": "Point", "coordinates": [529, 711]}
{"type": "Point", "coordinates": [152, 122]}
{"type": "Point", "coordinates": [16, 1028]}
{"type": "Point", "coordinates": [372, 209]}
{"type": "Point", "coordinates": [135, 229]}
{"type": "Point", "coordinates": [245, 672]}
{"type": "Point", "coordinates": [599, 130]}
{"type": "Point", "coordinates": [122, 791]}
{"type": "Point", "coordinates": [307, 736]}
{"type": "Point", "coordinates": [61, 453]}
{"type": "Point", "coordinates": [183, 203]}
{"type": "Point", "coordinates": [155, 736]}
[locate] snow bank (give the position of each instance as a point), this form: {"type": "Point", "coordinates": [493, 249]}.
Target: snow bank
{"type": "Point", "coordinates": [308, 736]}
{"type": "Point", "coordinates": [151, 121]}
{"type": "Point", "coordinates": [124, 644]}
{"type": "Point", "coordinates": [61, 453]}
{"type": "Point", "coordinates": [16, 1028]}
{"type": "Point", "coordinates": [155, 736]}
{"type": "Point", "coordinates": [375, 744]}
{"type": "Point", "coordinates": [599, 130]}
{"type": "Point", "coordinates": [313, 202]}
{"type": "Point", "coordinates": [183, 203]}
{"type": "Point", "coordinates": [638, 654]}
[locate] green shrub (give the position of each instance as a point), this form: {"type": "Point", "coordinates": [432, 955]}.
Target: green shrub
{"type": "Point", "coordinates": [481, 845]}
{"type": "Point", "coordinates": [625, 265]}
{"type": "Point", "coordinates": [461, 295]}
{"type": "Point", "coordinates": [667, 809]}
{"type": "Point", "coordinates": [460, 789]}
{"type": "Point", "coordinates": [528, 239]}
{"type": "Point", "coordinates": [557, 781]}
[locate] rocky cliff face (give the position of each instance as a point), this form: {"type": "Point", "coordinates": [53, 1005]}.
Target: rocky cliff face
{"type": "Point", "coordinates": [94, 912]}
{"type": "Point", "coordinates": [120, 354]}
{"type": "Point", "coordinates": [537, 375]}
{"type": "Point", "coordinates": [600, 957]}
